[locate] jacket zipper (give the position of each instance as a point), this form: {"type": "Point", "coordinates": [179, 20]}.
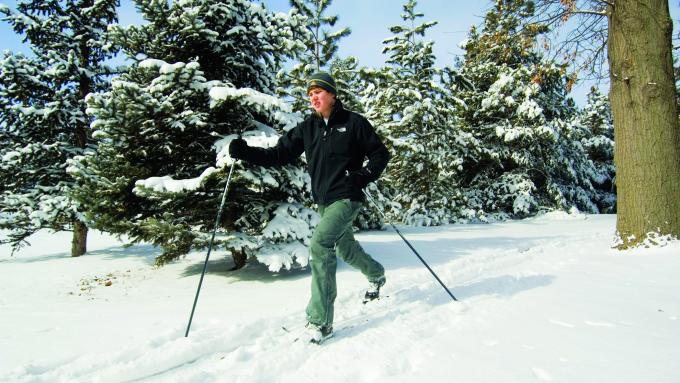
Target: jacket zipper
{"type": "Point", "coordinates": [326, 132]}
{"type": "Point", "coordinates": [323, 162]}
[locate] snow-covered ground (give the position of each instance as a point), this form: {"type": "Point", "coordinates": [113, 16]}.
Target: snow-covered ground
{"type": "Point", "coordinates": [543, 299]}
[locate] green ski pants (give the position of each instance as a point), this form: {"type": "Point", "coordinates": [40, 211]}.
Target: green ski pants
{"type": "Point", "coordinates": [334, 236]}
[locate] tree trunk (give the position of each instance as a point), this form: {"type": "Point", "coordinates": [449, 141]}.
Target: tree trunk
{"type": "Point", "coordinates": [646, 128]}
{"type": "Point", "coordinates": [79, 242]}
{"type": "Point", "coordinates": [240, 259]}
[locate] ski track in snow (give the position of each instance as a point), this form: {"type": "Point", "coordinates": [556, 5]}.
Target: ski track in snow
{"type": "Point", "coordinates": [214, 353]}
{"type": "Point", "coordinates": [400, 337]}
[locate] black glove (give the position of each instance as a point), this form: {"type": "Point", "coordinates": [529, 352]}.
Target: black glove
{"type": "Point", "coordinates": [359, 178]}
{"type": "Point", "coordinates": [238, 148]}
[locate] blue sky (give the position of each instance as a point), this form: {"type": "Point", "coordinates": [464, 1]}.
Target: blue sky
{"type": "Point", "coordinates": [369, 20]}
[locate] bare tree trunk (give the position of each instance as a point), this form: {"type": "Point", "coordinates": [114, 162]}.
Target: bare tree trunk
{"type": "Point", "coordinates": [646, 128]}
{"type": "Point", "coordinates": [79, 242]}
{"type": "Point", "coordinates": [240, 259]}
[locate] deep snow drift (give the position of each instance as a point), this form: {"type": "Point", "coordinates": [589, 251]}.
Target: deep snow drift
{"type": "Point", "coordinates": [543, 299]}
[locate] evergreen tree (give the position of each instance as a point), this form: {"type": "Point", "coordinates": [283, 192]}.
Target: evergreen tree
{"type": "Point", "coordinates": [321, 48]}
{"type": "Point", "coordinates": [526, 158]}
{"type": "Point", "coordinates": [414, 113]}
{"type": "Point", "coordinates": [349, 78]}
{"type": "Point", "coordinates": [596, 133]}
{"type": "Point", "coordinates": [204, 73]}
{"type": "Point", "coordinates": [43, 120]}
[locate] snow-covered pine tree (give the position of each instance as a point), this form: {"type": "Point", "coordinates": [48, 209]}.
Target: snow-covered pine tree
{"type": "Point", "coordinates": [43, 120]}
{"type": "Point", "coordinates": [526, 158]}
{"type": "Point", "coordinates": [205, 72]}
{"type": "Point", "coordinates": [350, 82]}
{"type": "Point", "coordinates": [595, 129]}
{"type": "Point", "coordinates": [321, 48]}
{"type": "Point", "coordinates": [411, 109]}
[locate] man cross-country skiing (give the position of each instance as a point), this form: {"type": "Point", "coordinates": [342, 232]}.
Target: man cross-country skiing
{"type": "Point", "coordinates": [336, 142]}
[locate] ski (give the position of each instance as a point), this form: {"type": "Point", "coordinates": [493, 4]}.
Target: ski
{"type": "Point", "coordinates": [284, 328]}
{"type": "Point", "coordinates": [325, 340]}
{"type": "Point", "coordinates": [367, 300]}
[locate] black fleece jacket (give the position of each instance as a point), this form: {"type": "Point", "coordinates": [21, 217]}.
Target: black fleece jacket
{"type": "Point", "coordinates": [332, 150]}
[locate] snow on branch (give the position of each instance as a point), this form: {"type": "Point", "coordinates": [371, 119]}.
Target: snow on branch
{"type": "Point", "coordinates": [263, 103]}
{"type": "Point", "coordinates": [168, 184]}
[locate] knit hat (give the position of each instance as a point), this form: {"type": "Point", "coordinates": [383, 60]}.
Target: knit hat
{"type": "Point", "coordinates": [322, 80]}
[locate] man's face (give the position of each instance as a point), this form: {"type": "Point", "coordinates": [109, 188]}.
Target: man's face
{"type": "Point", "coordinates": [321, 100]}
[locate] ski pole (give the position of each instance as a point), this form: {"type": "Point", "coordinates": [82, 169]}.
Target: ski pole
{"type": "Point", "coordinates": [409, 245]}
{"type": "Point", "coordinates": [205, 265]}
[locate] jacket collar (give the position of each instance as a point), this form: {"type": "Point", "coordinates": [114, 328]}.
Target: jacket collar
{"type": "Point", "coordinates": [337, 110]}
